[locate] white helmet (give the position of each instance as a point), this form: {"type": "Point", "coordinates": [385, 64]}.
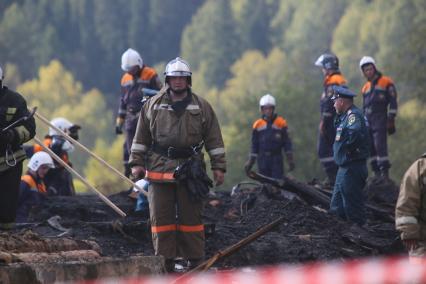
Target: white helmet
{"type": "Point", "coordinates": [39, 159]}
{"type": "Point", "coordinates": [366, 60]}
{"type": "Point", "coordinates": [61, 123]}
{"type": "Point", "coordinates": [129, 59]}
{"type": "Point", "coordinates": [267, 100]}
{"type": "Point", "coordinates": [142, 183]}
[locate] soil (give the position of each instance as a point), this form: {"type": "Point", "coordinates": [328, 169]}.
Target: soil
{"type": "Point", "coordinates": [307, 233]}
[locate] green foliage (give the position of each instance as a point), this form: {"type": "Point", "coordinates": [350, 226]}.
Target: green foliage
{"type": "Point", "coordinates": [57, 94]}
{"type": "Point", "coordinates": [211, 39]}
{"type": "Point", "coordinates": [101, 177]}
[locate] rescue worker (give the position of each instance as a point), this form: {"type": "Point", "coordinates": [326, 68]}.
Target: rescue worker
{"type": "Point", "coordinates": [58, 180]}
{"type": "Point", "coordinates": [332, 77]}
{"type": "Point", "coordinates": [380, 107]}
{"type": "Point", "coordinates": [13, 107]}
{"type": "Point", "coordinates": [410, 213]}
{"type": "Point", "coordinates": [32, 191]}
{"type": "Point", "coordinates": [137, 76]}
{"type": "Point", "coordinates": [351, 150]}
{"type": "Point", "coordinates": [269, 139]}
{"type": "Point", "coordinates": [172, 128]}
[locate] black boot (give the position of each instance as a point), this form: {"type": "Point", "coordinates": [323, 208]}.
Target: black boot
{"type": "Point", "coordinates": [169, 265]}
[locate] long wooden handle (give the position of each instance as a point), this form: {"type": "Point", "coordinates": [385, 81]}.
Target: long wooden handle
{"type": "Point", "coordinates": [84, 148]}
{"type": "Point", "coordinates": [65, 165]}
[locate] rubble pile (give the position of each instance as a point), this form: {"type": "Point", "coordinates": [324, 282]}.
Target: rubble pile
{"type": "Point", "coordinates": [308, 233]}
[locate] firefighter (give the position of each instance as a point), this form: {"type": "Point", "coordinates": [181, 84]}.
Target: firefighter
{"type": "Point", "coordinates": [351, 150]}
{"type": "Point", "coordinates": [332, 77]}
{"type": "Point", "coordinates": [32, 191]}
{"type": "Point", "coordinates": [58, 180]}
{"type": "Point", "coordinates": [137, 76]}
{"type": "Point", "coordinates": [410, 213]}
{"type": "Point", "coordinates": [380, 107]}
{"type": "Point", "coordinates": [12, 108]}
{"type": "Point", "coordinates": [172, 128]}
{"type": "Point", "coordinates": [269, 139]}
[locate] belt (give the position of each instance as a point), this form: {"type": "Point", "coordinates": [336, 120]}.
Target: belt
{"type": "Point", "coordinates": [177, 152]}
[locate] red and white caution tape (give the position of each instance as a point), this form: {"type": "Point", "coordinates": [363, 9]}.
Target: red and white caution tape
{"type": "Point", "coordinates": [364, 271]}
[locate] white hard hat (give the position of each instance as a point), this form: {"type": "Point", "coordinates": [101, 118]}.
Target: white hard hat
{"type": "Point", "coordinates": [178, 68]}
{"type": "Point", "coordinates": [129, 59]}
{"type": "Point", "coordinates": [39, 159]}
{"type": "Point", "coordinates": [61, 123]}
{"type": "Point", "coordinates": [142, 183]}
{"type": "Point", "coordinates": [318, 62]}
{"type": "Point", "coordinates": [267, 100]}
{"type": "Point", "coordinates": [366, 60]}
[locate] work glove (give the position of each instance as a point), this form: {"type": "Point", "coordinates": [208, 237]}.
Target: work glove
{"type": "Point", "coordinates": [118, 129]}
{"type": "Point", "coordinates": [290, 161]}
{"type": "Point", "coordinates": [391, 125]}
{"type": "Point", "coordinates": [249, 164]}
{"type": "Point", "coordinates": [7, 137]}
{"type": "Point", "coordinates": [119, 126]}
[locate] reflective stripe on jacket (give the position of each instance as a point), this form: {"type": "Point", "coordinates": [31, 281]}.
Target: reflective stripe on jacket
{"type": "Point", "coordinates": [410, 212]}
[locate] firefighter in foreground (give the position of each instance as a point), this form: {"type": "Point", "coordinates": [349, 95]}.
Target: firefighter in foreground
{"type": "Point", "coordinates": [137, 76]}
{"type": "Point", "coordinates": [12, 108]}
{"type": "Point", "coordinates": [269, 139]}
{"type": "Point", "coordinates": [58, 180]}
{"type": "Point", "coordinates": [172, 128]}
{"type": "Point", "coordinates": [351, 150]}
{"type": "Point", "coordinates": [380, 108]}
{"type": "Point", "coordinates": [332, 77]}
{"type": "Point", "coordinates": [410, 214]}
{"type": "Point", "coordinates": [32, 191]}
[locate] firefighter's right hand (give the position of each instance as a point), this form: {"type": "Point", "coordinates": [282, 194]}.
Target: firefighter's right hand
{"type": "Point", "coordinates": [118, 129]}
{"type": "Point", "coordinates": [138, 172]}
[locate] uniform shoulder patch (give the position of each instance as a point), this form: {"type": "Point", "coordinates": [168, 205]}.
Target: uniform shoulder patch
{"type": "Point", "coordinates": [351, 119]}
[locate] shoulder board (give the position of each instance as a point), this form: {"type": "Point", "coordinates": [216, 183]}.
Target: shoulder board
{"type": "Point", "coordinates": [280, 122]}
{"type": "Point", "coordinates": [335, 79]}
{"type": "Point", "coordinates": [126, 79]}
{"type": "Point", "coordinates": [29, 180]}
{"type": "Point", "coordinates": [259, 123]}
{"type": "Point", "coordinates": [148, 73]}
{"type": "Point", "coordinates": [385, 81]}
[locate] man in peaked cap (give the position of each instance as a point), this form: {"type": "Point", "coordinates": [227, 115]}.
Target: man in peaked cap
{"type": "Point", "coordinates": [351, 150]}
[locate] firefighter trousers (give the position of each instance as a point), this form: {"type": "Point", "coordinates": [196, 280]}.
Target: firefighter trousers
{"type": "Point", "coordinates": [176, 222]}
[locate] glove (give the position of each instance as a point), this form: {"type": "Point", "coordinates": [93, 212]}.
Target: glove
{"type": "Point", "coordinates": [391, 125]}
{"type": "Point", "coordinates": [119, 125]}
{"type": "Point", "coordinates": [119, 129]}
{"type": "Point", "coordinates": [249, 164]}
{"type": "Point", "coordinates": [290, 161]}
{"type": "Point", "coordinates": [7, 137]}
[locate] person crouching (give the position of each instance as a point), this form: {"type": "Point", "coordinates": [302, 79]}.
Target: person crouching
{"type": "Point", "coordinates": [32, 191]}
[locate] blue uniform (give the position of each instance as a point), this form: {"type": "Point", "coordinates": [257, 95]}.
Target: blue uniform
{"type": "Point", "coordinates": [378, 96]}
{"type": "Point", "coordinates": [32, 193]}
{"type": "Point", "coordinates": [269, 138]}
{"type": "Point", "coordinates": [326, 139]}
{"type": "Point", "coordinates": [351, 150]}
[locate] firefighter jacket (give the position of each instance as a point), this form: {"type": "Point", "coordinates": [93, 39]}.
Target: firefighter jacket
{"type": "Point", "coordinates": [378, 95]}
{"type": "Point", "coordinates": [326, 103]}
{"type": "Point", "coordinates": [410, 213]}
{"type": "Point", "coordinates": [270, 137]}
{"type": "Point", "coordinates": [131, 91]}
{"type": "Point", "coordinates": [12, 108]}
{"type": "Point", "coordinates": [161, 126]}
{"type": "Point", "coordinates": [352, 137]}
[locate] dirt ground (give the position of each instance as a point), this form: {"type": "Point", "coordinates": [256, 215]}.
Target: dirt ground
{"type": "Point", "coordinates": [307, 233]}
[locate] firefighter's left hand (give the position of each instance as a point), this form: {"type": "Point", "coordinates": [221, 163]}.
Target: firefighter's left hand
{"type": "Point", "coordinates": [218, 176]}
{"type": "Point", "coordinates": [391, 126]}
